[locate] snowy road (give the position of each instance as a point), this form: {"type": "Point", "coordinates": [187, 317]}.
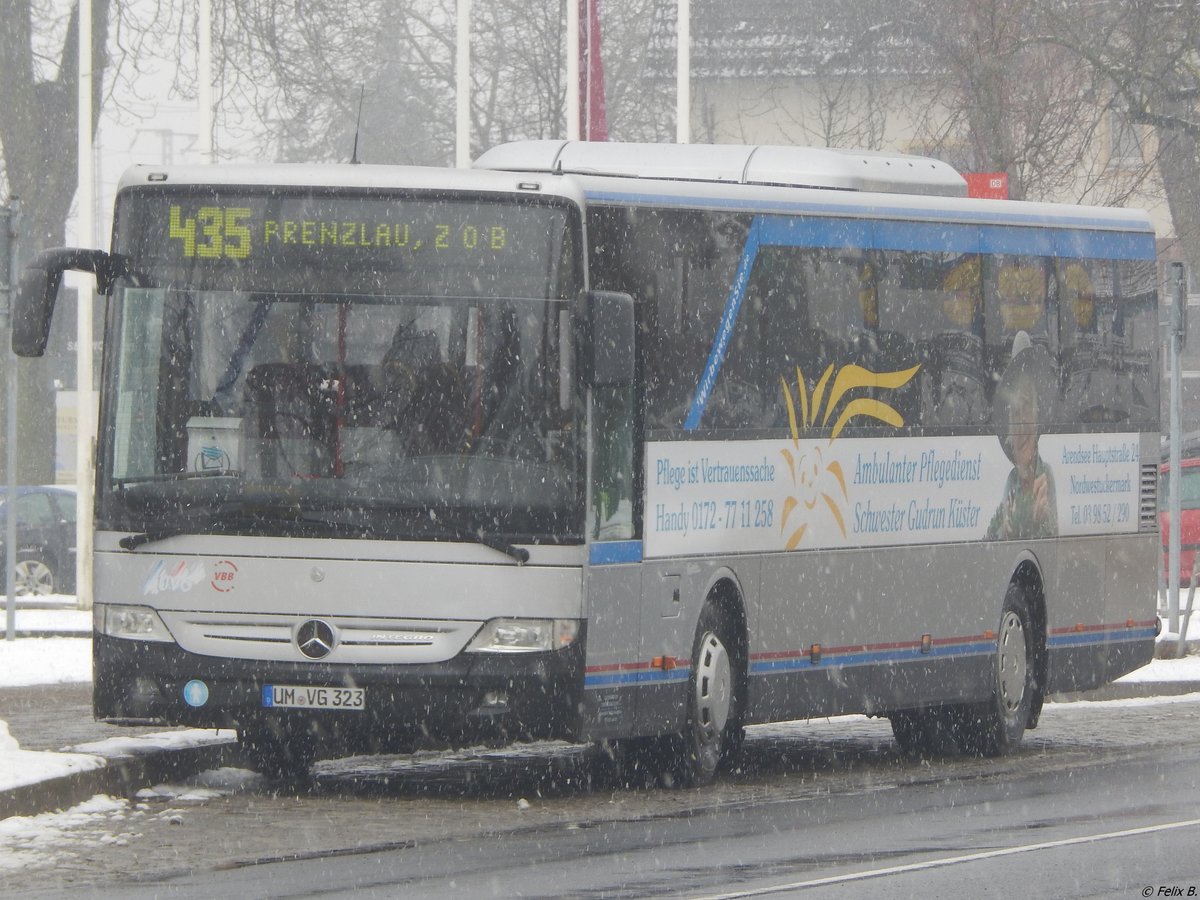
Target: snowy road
{"type": "Point", "coordinates": [1103, 800]}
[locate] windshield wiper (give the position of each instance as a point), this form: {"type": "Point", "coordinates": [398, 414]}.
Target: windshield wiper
{"type": "Point", "coordinates": [241, 513]}
{"type": "Point", "coordinates": [440, 519]}
{"type": "Point", "coordinates": [479, 536]}
{"type": "Point", "coordinates": [181, 525]}
{"type": "Point", "coordinates": [133, 541]}
{"type": "Point", "coordinates": [298, 516]}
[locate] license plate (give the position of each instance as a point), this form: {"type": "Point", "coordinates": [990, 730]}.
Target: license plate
{"type": "Point", "coordinates": [299, 696]}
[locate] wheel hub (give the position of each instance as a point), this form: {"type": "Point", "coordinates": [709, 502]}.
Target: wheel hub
{"type": "Point", "coordinates": [1011, 662]}
{"type": "Point", "coordinates": [714, 687]}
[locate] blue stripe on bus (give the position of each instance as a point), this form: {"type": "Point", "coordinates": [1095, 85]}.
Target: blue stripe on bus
{"type": "Point", "coordinates": [1104, 245]}
{"type": "Point", "coordinates": [871, 234]}
{"type": "Point", "coordinates": [607, 553]}
{"type": "Point", "coordinates": [870, 657]}
{"type": "Point", "coordinates": [801, 660]}
{"type": "Point", "coordinates": [636, 677]}
{"type": "Point", "coordinates": [1133, 244]}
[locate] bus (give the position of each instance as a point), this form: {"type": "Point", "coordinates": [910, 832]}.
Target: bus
{"type": "Point", "coordinates": [631, 445]}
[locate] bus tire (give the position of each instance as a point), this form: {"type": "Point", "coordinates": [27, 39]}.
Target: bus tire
{"type": "Point", "coordinates": [713, 732]}
{"type": "Point", "coordinates": [278, 752]}
{"type": "Point", "coordinates": [995, 727]}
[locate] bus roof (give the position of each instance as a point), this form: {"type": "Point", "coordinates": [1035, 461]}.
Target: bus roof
{"type": "Point", "coordinates": [816, 167]}
{"type": "Point", "coordinates": [520, 168]}
{"type": "Point", "coordinates": [674, 175]}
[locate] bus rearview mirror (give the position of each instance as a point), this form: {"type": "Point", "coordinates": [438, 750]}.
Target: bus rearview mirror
{"type": "Point", "coordinates": [37, 292]}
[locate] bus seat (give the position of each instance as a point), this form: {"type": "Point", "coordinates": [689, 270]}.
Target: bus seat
{"type": "Point", "coordinates": [290, 411]}
{"type": "Point", "coordinates": [957, 380]}
{"type": "Point", "coordinates": [439, 418]}
{"type": "Point", "coordinates": [1094, 389]}
{"type": "Point", "coordinates": [287, 398]}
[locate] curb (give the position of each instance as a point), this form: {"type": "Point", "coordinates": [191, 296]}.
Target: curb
{"type": "Point", "coordinates": [120, 776]}
{"type": "Point", "coordinates": [49, 633]}
{"type": "Point", "coordinates": [1134, 690]}
{"type": "Point", "coordinates": [25, 603]}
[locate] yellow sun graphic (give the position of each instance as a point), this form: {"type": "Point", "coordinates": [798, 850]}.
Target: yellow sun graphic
{"type": "Point", "coordinates": [815, 479]}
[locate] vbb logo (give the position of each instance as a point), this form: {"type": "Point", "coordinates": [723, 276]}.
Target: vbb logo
{"type": "Point", "coordinates": [224, 572]}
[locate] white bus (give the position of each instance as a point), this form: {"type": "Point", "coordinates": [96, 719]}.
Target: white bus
{"type": "Point", "coordinates": [629, 444]}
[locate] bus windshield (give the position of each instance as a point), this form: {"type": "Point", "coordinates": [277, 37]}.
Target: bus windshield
{"type": "Point", "coordinates": [371, 366]}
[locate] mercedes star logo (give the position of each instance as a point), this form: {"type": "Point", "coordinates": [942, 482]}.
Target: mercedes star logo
{"type": "Point", "coordinates": [315, 639]}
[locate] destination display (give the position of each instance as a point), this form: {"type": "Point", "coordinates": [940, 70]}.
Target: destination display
{"type": "Point", "coordinates": [235, 240]}
{"type": "Point", "coordinates": [769, 495]}
{"type": "Point", "coordinates": [238, 232]}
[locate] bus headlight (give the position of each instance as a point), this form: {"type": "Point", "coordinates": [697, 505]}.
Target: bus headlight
{"type": "Point", "coordinates": [524, 635]}
{"type": "Point", "coordinates": [139, 623]}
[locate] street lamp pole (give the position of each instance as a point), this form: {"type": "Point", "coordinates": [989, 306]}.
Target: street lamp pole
{"type": "Point", "coordinates": [683, 73]}
{"type": "Point", "coordinates": [204, 91]}
{"type": "Point", "coordinates": [10, 432]}
{"type": "Point", "coordinates": [462, 86]}
{"type": "Point", "coordinates": [84, 424]}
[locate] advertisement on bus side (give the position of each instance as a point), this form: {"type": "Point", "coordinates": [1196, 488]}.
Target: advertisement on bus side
{"type": "Point", "coordinates": [768, 495]}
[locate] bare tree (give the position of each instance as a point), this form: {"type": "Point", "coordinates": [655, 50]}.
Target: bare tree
{"type": "Point", "coordinates": [39, 62]}
{"type": "Point", "coordinates": [1147, 54]}
{"type": "Point", "coordinates": [292, 77]}
{"type": "Point", "coordinates": [786, 71]}
{"type": "Point", "coordinates": [1000, 99]}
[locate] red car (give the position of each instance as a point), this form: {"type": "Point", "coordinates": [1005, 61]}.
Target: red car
{"type": "Point", "coordinates": [1189, 517]}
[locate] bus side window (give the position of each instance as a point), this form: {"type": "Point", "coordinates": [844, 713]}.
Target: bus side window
{"type": "Point", "coordinates": [679, 267]}
{"type": "Point", "coordinates": [930, 315]}
{"type": "Point", "coordinates": [704, 255]}
{"type": "Point", "coordinates": [1107, 316]}
{"type": "Point", "coordinates": [1015, 295]}
{"type": "Point", "coordinates": [777, 341]}
{"type": "Point", "coordinates": [891, 295]}
{"type": "Point", "coordinates": [1139, 316]}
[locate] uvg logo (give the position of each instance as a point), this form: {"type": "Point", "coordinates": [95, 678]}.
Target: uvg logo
{"type": "Point", "coordinates": [179, 576]}
{"type": "Point", "coordinates": [223, 574]}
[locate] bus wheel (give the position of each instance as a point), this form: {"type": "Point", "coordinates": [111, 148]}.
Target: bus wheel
{"type": "Point", "coordinates": [712, 733]}
{"type": "Point", "coordinates": [995, 727]}
{"type": "Point", "coordinates": [277, 752]}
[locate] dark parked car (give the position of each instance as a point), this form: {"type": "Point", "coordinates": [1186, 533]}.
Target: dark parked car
{"type": "Point", "coordinates": [45, 539]}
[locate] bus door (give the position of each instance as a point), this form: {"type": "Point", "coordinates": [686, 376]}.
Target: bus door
{"type": "Point", "coordinates": [614, 578]}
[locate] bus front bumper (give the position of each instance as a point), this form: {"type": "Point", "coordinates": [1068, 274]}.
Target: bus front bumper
{"type": "Point", "coordinates": [472, 697]}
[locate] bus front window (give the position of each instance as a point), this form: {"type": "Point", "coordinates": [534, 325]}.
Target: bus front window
{"type": "Point", "coordinates": [395, 400]}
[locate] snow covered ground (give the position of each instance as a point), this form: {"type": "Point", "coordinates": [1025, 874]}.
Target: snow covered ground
{"type": "Point", "coordinates": [27, 661]}
{"type": "Point", "coordinates": [20, 767]}
{"type": "Point", "coordinates": [31, 840]}
{"type": "Point", "coordinates": [58, 660]}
